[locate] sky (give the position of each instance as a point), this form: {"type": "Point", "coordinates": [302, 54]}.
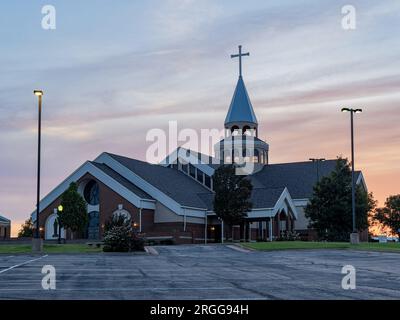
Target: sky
{"type": "Point", "coordinates": [113, 70]}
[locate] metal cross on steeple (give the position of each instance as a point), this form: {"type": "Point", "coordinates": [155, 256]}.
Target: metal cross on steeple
{"type": "Point", "coordinates": [240, 55]}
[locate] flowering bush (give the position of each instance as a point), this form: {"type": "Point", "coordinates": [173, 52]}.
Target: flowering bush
{"type": "Point", "coordinates": [117, 239]}
{"type": "Point", "coordinates": [120, 237]}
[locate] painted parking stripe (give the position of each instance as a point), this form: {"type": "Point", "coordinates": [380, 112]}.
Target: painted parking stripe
{"type": "Point", "coordinates": [119, 289]}
{"type": "Point", "coordinates": [23, 263]}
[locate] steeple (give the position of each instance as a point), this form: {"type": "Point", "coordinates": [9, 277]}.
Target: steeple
{"type": "Point", "coordinates": [241, 115]}
{"type": "Point", "coordinates": [241, 143]}
{"type": "Point", "coordinates": [240, 109]}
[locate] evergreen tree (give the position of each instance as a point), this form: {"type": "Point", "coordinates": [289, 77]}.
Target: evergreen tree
{"type": "Point", "coordinates": [26, 230]}
{"type": "Point", "coordinates": [330, 208]}
{"type": "Point", "coordinates": [74, 215]}
{"type": "Point", "coordinates": [389, 215]}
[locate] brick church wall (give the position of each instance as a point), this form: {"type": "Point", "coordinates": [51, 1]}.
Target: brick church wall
{"type": "Point", "coordinates": [108, 203]}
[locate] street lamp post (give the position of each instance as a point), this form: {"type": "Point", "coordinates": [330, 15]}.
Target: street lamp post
{"type": "Point", "coordinates": [37, 244]}
{"type": "Point", "coordinates": [60, 209]}
{"type": "Point", "coordinates": [354, 237]}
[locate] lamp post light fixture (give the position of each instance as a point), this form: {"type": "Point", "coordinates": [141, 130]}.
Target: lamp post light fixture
{"type": "Point", "coordinates": [37, 244]}
{"type": "Point", "coordinates": [354, 237]}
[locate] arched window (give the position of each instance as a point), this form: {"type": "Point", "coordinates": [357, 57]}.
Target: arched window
{"type": "Point", "coordinates": [246, 130]}
{"type": "Point", "coordinates": [91, 193]}
{"type": "Point", "coordinates": [234, 130]}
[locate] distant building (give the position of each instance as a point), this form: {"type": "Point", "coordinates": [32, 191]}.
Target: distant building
{"type": "Point", "coordinates": [5, 228]}
{"type": "Point", "coordinates": [174, 200]}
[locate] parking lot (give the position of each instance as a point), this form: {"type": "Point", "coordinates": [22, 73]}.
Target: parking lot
{"type": "Point", "coordinates": [203, 272]}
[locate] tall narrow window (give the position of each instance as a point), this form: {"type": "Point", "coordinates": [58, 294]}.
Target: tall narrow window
{"type": "Point", "coordinates": [207, 181]}
{"type": "Point", "coordinates": [192, 170]}
{"type": "Point", "coordinates": [200, 176]}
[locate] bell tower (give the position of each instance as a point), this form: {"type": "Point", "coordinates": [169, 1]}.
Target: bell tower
{"type": "Point", "coordinates": [241, 127]}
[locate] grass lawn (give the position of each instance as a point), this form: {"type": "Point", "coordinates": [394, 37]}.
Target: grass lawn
{"type": "Point", "coordinates": [287, 245]}
{"type": "Point", "coordinates": [49, 248]}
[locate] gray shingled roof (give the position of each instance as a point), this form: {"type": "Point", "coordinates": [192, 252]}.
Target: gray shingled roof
{"type": "Point", "coordinates": [120, 179]}
{"type": "Point", "coordinates": [268, 184]}
{"type": "Point", "coordinates": [298, 177]}
{"type": "Point", "coordinates": [265, 197]}
{"type": "Point", "coordinates": [171, 182]}
{"type": "Point", "coordinates": [260, 198]}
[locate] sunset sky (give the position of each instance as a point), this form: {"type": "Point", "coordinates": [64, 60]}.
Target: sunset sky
{"type": "Point", "coordinates": [111, 71]}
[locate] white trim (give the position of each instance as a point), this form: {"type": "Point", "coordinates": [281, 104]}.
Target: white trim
{"type": "Point", "coordinates": [261, 213]}
{"type": "Point", "coordinates": [284, 202]}
{"type": "Point", "coordinates": [88, 167]}
{"type": "Point", "coordinates": [192, 159]}
{"type": "Point", "coordinates": [300, 202]}
{"type": "Point", "coordinates": [361, 181]}
{"type": "Point", "coordinates": [48, 227]}
{"type": "Point", "coordinates": [147, 187]}
{"type": "Point", "coordinates": [286, 198]}
{"type": "Point", "coordinates": [194, 208]}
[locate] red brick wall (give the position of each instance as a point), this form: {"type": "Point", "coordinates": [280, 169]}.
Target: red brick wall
{"type": "Point", "coordinates": [109, 201]}
{"type": "Point", "coordinates": [175, 229]}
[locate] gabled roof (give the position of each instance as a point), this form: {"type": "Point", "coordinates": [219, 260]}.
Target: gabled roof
{"type": "Point", "coordinates": [126, 183]}
{"type": "Point", "coordinates": [240, 109]}
{"type": "Point", "coordinates": [266, 197]}
{"type": "Point", "coordinates": [115, 182]}
{"type": "Point", "coordinates": [173, 183]}
{"type": "Point", "coordinates": [4, 220]}
{"type": "Point", "coordinates": [266, 202]}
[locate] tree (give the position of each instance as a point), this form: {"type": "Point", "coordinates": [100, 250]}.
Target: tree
{"type": "Point", "coordinates": [389, 215]}
{"type": "Point", "coordinates": [74, 215]}
{"type": "Point", "coordinates": [232, 195]}
{"type": "Point", "coordinates": [330, 208]}
{"type": "Point", "coordinates": [26, 230]}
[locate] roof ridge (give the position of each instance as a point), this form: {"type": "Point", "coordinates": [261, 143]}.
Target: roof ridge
{"type": "Point", "coordinates": [129, 158]}
{"type": "Point", "coordinates": [297, 162]}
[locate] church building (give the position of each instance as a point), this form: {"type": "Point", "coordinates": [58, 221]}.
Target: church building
{"type": "Point", "coordinates": [5, 228]}
{"type": "Point", "coordinates": [173, 200]}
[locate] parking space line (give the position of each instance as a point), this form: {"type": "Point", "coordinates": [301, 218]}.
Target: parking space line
{"type": "Point", "coordinates": [121, 289]}
{"type": "Point", "coordinates": [23, 263]}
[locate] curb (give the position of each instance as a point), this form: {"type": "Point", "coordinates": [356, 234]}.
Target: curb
{"type": "Point", "coordinates": [238, 248]}
{"type": "Point", "coordinates": [151, 250]}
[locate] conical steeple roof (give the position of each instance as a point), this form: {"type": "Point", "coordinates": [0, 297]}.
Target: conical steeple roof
{"type": "Point", "coordinates": [240, 109]}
